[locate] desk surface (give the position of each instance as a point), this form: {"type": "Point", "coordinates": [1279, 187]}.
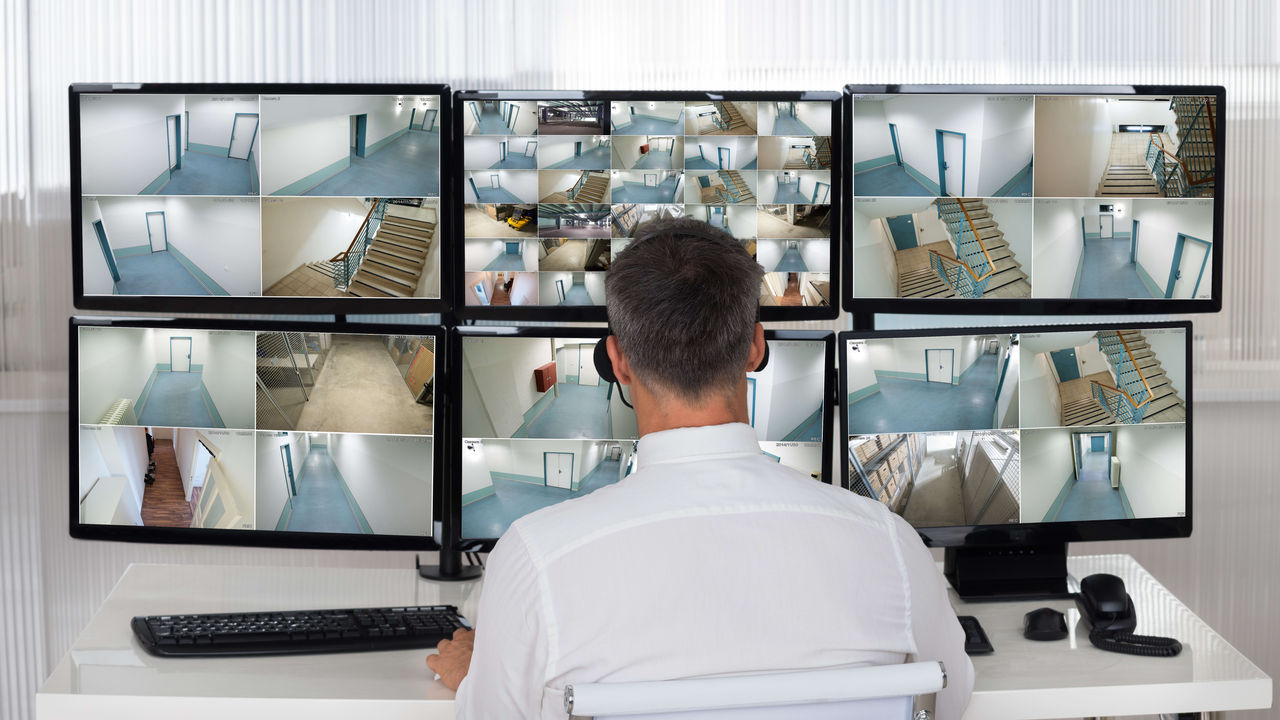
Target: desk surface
{"type": "Point", "coordinates": [107, 675]}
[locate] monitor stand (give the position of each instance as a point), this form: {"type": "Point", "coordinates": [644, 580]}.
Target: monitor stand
{"type": "Point", "coordinates": [450, 568]}
{"type": "Point", "coordinates": [1019, 572]}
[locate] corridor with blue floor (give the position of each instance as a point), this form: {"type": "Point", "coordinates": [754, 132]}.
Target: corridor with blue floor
{"type": "Point", "coordinates": [790, 193]}
{"type": "Point", "coordinates": [920, 406]}
{"type": "Point", "coordinates": [792, 261]}
{"type": "Point", "coordinates": [572, 411]}
{"type": "Point", "coordinates": [511, 499]}
{"type": "Point", "coordinates": [323, 502]}
{"type": "Point", "coordinates": [408, 166]}
{"type": "Point", "coordinates": [155, 273]}
{"type": "Point", "coordinates": [889, 180]}
{"type": "Point", "coordinates": [1107, 271]}
{"type": "Point", "coordinates": [489, 121]}
{"type": "Point", "coordinates": [791, 125]}
{"type": "Point", "coordinates": [654, 160]}
{"type": "Point", "coordinates": [507, 261]}
{"type": "Point", "coordinates": [203, 174]}
{"type": "Point", "coordinates": [1090, 496]}
{"type": "Point", "coordinates": [595, 158]}
{"type": "Point", "coordinates": [178, 399]}
{"type": "Point", "coordinates": [640, 192]}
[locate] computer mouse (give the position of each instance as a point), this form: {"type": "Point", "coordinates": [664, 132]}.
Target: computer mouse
{"type": "Point", "coordinates": [1044, 624]}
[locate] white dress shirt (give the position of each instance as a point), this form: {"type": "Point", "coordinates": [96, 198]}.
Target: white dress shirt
{"type": "Point", "coordinates": [710, 559]}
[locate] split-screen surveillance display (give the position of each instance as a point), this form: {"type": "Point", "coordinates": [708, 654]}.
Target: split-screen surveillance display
{"type": "Point", "coordinates": [242, 430]}
{"type": "Point", "coordinates": [286, 195]}
{"type": "Point", "coordinates": [1033, 196]}
{"type": "Point", "coordinates": [539, 426]}
{"type": "Point", "coordinates": [555, 189]}
{"type": "Point", "coordinates": [996, 429]}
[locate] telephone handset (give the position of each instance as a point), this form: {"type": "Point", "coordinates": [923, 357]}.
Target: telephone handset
{"type": "Point", "coordinates": [1108, 609]}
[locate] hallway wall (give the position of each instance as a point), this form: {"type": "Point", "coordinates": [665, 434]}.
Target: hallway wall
{"type": "Point", "coordinates": [1008, 134]}
{"type": "Point", "coordinates": [594, 283]}
{"type": "Point", "coordinates": [307, 134]}
{"type": "Point", "coordinates": [390, 478]}
{"type": "Point", "coordinates": [503, 388]}
{"type": "Point", "coordinates": [871, 127]}
{"type": "Point", "coordinates": [1153, 468]}
{"type": "Point", "coordinates": [479, 253]}
{"type": "Point", "coordinates": [300, 230]}
{"type": "Point", "coordinates": [860, 371]}
{"type": "Point", "coordinates": [481, 151]}
{"type": "Point", "coordinates": [123, 142]}
{"type": "Point", "coordinates": [742, 149]}
{"type": "Point", "coordinates": [271, 490]}
{"type": "Point", "coordinates": [114, 451]}
{"type": "Point", "coordinates": [114, 363]}
{"type": "Point", "coordinates": [525, 457]}
{"type": "Point", "coordinates": [815, 252]}
{"type": "Point", "coordinates": [552, 181]}
{"type": "Point", "coordinates": [620, 111]}
{"type": "Point", "coordinates": [1170, 349]}
{"type": "Point", "coordinates": [211, 119]}
{"type": "Point", "coordinates": [1160, 221]}
{"type": "Point", "coordinates": [125, 220]}
{"type": "Point", "coordinates": [1047, 465]}
{"type": "Point", "coordinates": [1015, 217]}
{"type": "Point", "coordinates": [476, 481]}
{"type": "Point", "coordinates": [801, 457]}
{"type": "Point", "coordinates": [907, 355]}
{"type": "Point", "coordinates": [1073, 142]}
{"type": "Point", "coordinates": [920, 117]}
{"type": "Point", "coordinates": [1057, 244]}
{"type": "Point", "coordinates": [816, 115]}
{"type": "Point", "coordinates": [1007, 394]}
{"type": "Point", "coordinates": [521, 183]}
{"type": "Point", "coordinates": [1041, 404]}
{"type": "Point", "coordinates": [97, 276]}
{"type": "Point", "coordinates": [789, 389]}
{"type": "Point", "coordinates": [229, 376]}
{"type": "Point", "coordinates": [234, 470]}
{"type": "Point", "coordinates": [875, 272]}
{"type": "Point", "coordinates": [220, 236]}
{"type": "Point", "coordinates": [1145, 112]}
{"type": "Point", "coordinates": [553, 149]}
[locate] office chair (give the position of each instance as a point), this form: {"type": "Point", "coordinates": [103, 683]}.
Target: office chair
{"type": "Point", "coordinates": [857, 693]}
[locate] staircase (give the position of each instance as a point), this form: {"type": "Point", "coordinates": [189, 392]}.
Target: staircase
{"type": "Point", "coordinates": [984, 265]}
{"type": "Point", "coordinates": [1192, 173]}
{"type": "Point", "coordinates": [735, 188]}
{"type": "Point", "coordinates": [821, 153]}
{"type": "Point", "coordinates": [1149, 395]}
{"type": "Point", "coordinates": [592, 187]}
{"type": "Point", "coordinates": [1128, 181]}
{"type": "Point", "coordinates": [729, 121]}
{"type": "Point", "coordinates": [395, 259]}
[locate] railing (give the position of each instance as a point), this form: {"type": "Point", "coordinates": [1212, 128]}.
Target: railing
{"type": "Point", "coordinates": [971, 252]}
{"type": "Point", "coordinates": [582, 180]}
{"type": "Point", "coordinates": [721, 118]}
{"type": "Point", "coordinates": [1170, 170]}
{"type": "Point", "coordinates": [1119, 403]}
{"type": "Point", "coordinates": [1128, 375]}
{"type": "Point", "coordinates": [731, 191]}
{"type": "Point", "coordinates": [345, 263]}
{"type": "Point", "coordinates": [810, 159]}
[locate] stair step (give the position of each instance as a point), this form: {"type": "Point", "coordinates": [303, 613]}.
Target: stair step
{"type": "Point", "coordinates": [409, 231]}
{"type": "Point", "coordinates": [378, 282]}
{"type": "Point", "coordinates": [360, 289]}
{"type": "Point", "coordinates": [397, 250]}
{"type": "Point", "coordinates": [409, 244]}
{"type": "Point", "coordinates": [390, 272]}
{"type": "Point", "coordinates": [412, 222]}
{"type": "Point", "coordinates": [393, 261]}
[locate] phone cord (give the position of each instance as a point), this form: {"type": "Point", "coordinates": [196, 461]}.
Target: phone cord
{"type": "Point", "coordinates": [1148, 645]}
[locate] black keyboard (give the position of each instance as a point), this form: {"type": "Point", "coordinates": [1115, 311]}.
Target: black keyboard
{"type": "Point", "coordinates": [298, 631]}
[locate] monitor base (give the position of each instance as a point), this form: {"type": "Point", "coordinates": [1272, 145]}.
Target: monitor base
{"type": "Point", "coordinates": [1007, 572]}
{"type": "Point", "coordinates": [450, 569]}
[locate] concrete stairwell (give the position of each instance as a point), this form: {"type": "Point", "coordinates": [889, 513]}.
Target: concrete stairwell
{"type": "Point", "coordinates": [395, 259]}
{"type": "Point", "coordinates": [1008, 280]}
{"type": "Point", "coordinates": [738, 190]}
{"type": "Point", "coordinates": [1196, 121]}
{"type": "Point", "coordinates": [595, 189]}
{"type": "Point", "coordinates": [1165, 405]}
{"type": "Point", "coordinates": [1128, 181]}
{"type": "Point", "coordinates": [730, 115]}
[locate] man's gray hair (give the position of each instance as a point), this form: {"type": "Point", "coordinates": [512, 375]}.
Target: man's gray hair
{"type": "Point", "coordinates": [683, 300]}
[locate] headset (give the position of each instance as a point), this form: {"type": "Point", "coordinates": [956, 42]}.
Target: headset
{"type": "Point", "coordinates": [695, 228]}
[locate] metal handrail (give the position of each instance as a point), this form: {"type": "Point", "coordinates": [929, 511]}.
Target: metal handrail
{"type": "Point", "coordinates": [1133, 361]}
{"type": "Point", "coordinates": [349, 260]}
{"type": "Point", "coordinates": [342, 255]}
{"type": "Point", "coordinates": [1155, 138]}
{"type": "Point", "coordinates": [582, 180]}
{"type": "Point", "coordinates": [963, 283]}
{"type": "Point", "coordinates": [991, 265]}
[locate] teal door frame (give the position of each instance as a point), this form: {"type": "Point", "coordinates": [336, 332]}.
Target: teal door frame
{"type": "Point", "coordinates": [577, 148]}
{"type": "Point", "coordinates": [253, 136]}
{"type": "Point", "coordinates": [475, 110]}
{"type": "Point", "coordinates": [951, 380]}
{"type": "Point", "coordinates": [362, 122]}
{"type": "Point", "coordinates": [164, 227]}
{"type": "Point", "coordinates": [897, 149]}
{"type": "Point", "coordinates": [473, 188]}
{"type": "Point", "coordinates": [190, 350]}
{"type": "Point", "coordinates": [412, 112]}
{"type": "Point", "coordinates": [168, 141]}
{"type": "Point", "coordinates": [560, 290]}
{"type": "Point", "coordinates": [495, 180]}
{"type": "Point", "coordinates": [943, 164]}
{"type": "Point", "coordinates": [1175, 275]}
{"type": "Point", "coordinates": [824, 189]}
{"type": "Point", "coordinates": [1133, 242]}
{"type": "Point", "coordinates": [430, 114]}
{"type": "Point", "coordinates": [101, 232]}
{"type": "Point", "coordinates": [186, 139]}
{"type": "Point", "coordinates": [502, 150]}
{"type": "Point", "coordinates": [902, 231]}
{"type": "Point", "coordinates": [286, 460]}
{"type": "Point", "coordinates": [572, 460]}
{"type": "Point", "coordinates": [479, 288]}
{"type": "Point", "coordinates": [1059, 357]}
{"type": "Point", "coordinates": [724, 158]}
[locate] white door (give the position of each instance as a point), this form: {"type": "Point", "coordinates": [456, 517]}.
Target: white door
{"type": "Point", "coordinates": [217, 509]}
{"type": "Point", "coordinates": [557, 468]}
{"type": "Point", "coordinates": [1106, 226]}
{"type": "Point", "coordinates": [175, 142]}
{"type": "Point", "coordinates": [243, 131]}
{"type": "Point", "coordinates": [199, 466]}
{"type": "Point", "coordinates": [587, 374]}
{"type": "Point", "coordinates": [953, 153]}
{"type": "Point", "coordinates": [156, 231]}
{"type": "Point", "coordinates": [570, 355]}
{"type": "Point", "coordinates": [1189, 270]}
{"type": "Point", "coordinates": [180, 354]}
{"type": "Point", "coordinates": [939, 362]}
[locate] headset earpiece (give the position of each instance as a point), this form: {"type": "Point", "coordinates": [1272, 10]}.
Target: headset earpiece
{"type": "Point", "coordinates": [764, 359]}
{"type": "Point", "coordinates": [604, 366]}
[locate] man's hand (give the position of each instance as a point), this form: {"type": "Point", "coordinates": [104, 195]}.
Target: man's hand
{"type": "Point", "coordinates": [454, 659]}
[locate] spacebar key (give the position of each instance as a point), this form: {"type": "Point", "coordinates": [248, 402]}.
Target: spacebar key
{"type": "Point", "coordinates": [250, 637]}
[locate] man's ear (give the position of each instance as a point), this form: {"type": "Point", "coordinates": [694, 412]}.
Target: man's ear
{"type": "Point", "coordinates": [757, 349]}
{"type": "Point", "coordinates": [621, 368]}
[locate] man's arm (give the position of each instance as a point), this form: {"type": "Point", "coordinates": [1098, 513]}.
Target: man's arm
{"type": "Point", "coordinates": [938, 634]}
{"type": "Point", "coordinates": [508, 663]}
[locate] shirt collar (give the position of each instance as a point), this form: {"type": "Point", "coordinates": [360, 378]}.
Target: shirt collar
{"type": "Point", "coordinates": [667, 446]}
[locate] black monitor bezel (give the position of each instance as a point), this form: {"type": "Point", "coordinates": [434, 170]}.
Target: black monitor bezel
{"type": "Point", "coordinates": [455, 345]}
{"type": "Point", "coordinates": [1042, 533]}
{"type": "Point", "coordinates": [596, 313]}
{"type": "Point", "coordinates": [1033, 305]}
{"type": "Point", "coordinates": [262, 303]}
{"type": "Point", "coordinates": [260, 538]}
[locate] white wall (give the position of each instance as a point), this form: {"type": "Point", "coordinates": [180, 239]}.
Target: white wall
{"type": "Point", "coordinates": [390, 479]}
{"type": "Point", "coordinates": [919, 117]}
{"type": "Point", "coordinates": [1008, 134]}
{"type": "Point", "coordinates": [1014, 218]}
{"type": "Point", "coordinates": [1047, 464]}
{"type": "Point", "coordinates": [429, 281]}
{"type": "Point", "coordinates": [804, 457]}
{"type": "Point", "coordinates": [741, 220]}
{"type": "Point", "coordinates": [123, 141]}
{"type": "Point", "coordinates": [221, 236]}
{"type": "Point", "coordinates": [271, 491]}
{"type": "Point", "coordinates": [871, 138]}
{"type": "Point", "coordinates": [907, 354]}
{"type": "Point", "coordinates": [1142, 112]}
{"type": "Point", "coordinates": [125, 219]}
{"type": "Point", "coordinates": [296, 151]}
{"type": "Point", "coordinates": [816, 253]}
{"type": "Point", "coordinates": [97, 276]}
{"type": "Point", "coordinates": [107, 451]}
{"type": "Point", "coordinates": [790, 387]}
{"type": "Point", "coordinates": [859, 368]}
{"type": "Point", "coordinates": [228, 375]}
{"type": "Point", "coordinates": [553, 181]}
{"type": "Point", "coordinates": [502, 370]}
{"type": "Point", "coordinates": [594, 283]}
{"type": "Point", "coordinates": [210, 119]}
{"type": "Point", "coordinates": [235, 469]}
{"type": "Point", "coordinates": [773, 151]}
{"type": "Point", "coordinates": [1007, 395]}
{"type": "Point", "coordinates": [521, 183]}
{"type": "Point", "coordinates": [475, 471]}
{"type": "Point", "coordinates": [1057, 244]}
{"type": "Point", "coordinates": [1041, 404]}
{"type": "Point", "coordinates": [525, 118]}
{"type": "Point", "coordinates": [480, 152]}
{"type": "Point", "coordinates": [875, 272]}
{"type": "Point", "coordinates": [1160, 221]}
{"type": "Point", "coordinates": [1153, 468]}
{"type": "Point", "coordinates": [622, 418]}
{"type": "Point", "coordinates": [553, 149]}
{"type": "Point", "coordinates": [1170, 348]}
{"type": "Point", "coordinates": [1073, 142]}
{"type": "Point", "coordinates": [524, 457]}
{"type": "Point", "coordinates": [114, 363]}
{"type": "Point", "coordinates": [479, 253]}
{"type": "Point", "coordinates": [742, 149]}
{"type": "Point", "coordinates": [301, 230]}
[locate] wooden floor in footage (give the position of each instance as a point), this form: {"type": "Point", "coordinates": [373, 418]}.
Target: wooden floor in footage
{"type": "Point", "coordinates": [164, 502]}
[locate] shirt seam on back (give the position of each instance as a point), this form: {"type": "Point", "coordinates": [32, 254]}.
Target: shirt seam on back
{"type": "Point", "coordinates": [906, 583]}
{"type": "Point", "coordinates": [544, 589]}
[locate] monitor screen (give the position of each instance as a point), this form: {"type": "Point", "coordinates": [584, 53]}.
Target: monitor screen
{"type": "Point", "coordinates": [539, 426]}
{"type": "Point", "coordinates": [553, 186]}
{"type": "Point", "coordinates": [323, 198]}
{"type": "Point", "coordinates": [1035, 200]}
{"type": "Point", "coordinates": [264, 434]}
{"type": "Point", "coordinates": [1079, 432]}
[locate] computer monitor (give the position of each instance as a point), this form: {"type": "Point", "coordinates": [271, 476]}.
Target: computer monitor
{"type": "Point", "coordinates": [538, 426]}
{"type": "Point", "coordinates": [553, 185]}
{"type": "Point", "coordinates": [260, 198]}
{"type": "Point", "coordinates": [1035, 199]}
{"type": "Point", "coordinates": [255, 433]}
{"type": "Point", "coordinates": [1004, 444]}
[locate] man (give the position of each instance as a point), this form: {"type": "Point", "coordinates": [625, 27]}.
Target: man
{"type": "Point", "coordinates": [710, 558]}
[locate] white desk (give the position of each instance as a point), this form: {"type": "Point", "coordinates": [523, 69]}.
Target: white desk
{"type": "Point", "coordinates": [107, 675]}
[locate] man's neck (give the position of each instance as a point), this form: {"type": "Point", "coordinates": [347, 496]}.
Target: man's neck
{"type": "Point", "coordinates": [658, 411]}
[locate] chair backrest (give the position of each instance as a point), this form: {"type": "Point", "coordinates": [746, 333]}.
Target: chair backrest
{"type": "Point", "coordinates": [879, 691]}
